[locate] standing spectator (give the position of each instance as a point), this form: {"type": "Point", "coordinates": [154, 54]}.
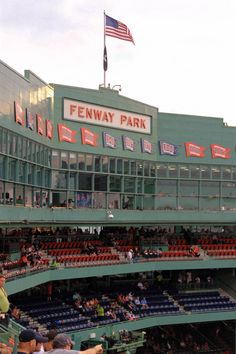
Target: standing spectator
{"type": "Point", "coordinates": [100, 311]}
{"type": "Point", "coordinates": [189, 277]}
{"type": "Point", "coordinates": [28, 340]}
{"type": "Point", "coordinates": [4, 303]}
{"type": "Point", "coordinates": [198, 282]}
{"type": "Point", "coordinates": [15, 312]}
{"type": "Point", "coordinates": [50, 335]}
{"type": "Point", "coordinates": [130, 256]}
{"type": "Point", "coordinates": [62, 344]}
{"type": "Point", "coordinates": [4, 349]}
{"type": "Point", "coordinates": [49, 291]}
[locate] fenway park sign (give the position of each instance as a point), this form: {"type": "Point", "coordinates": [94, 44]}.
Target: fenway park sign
{"type": "Point", "coordinates": [105, 116]}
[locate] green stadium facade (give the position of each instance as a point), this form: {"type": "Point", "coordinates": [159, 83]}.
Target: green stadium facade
{"type": "Point", "coordinates": [72, 156]}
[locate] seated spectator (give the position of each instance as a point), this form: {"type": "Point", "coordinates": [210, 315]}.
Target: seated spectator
{"type": "Point", "coordinates": [54, 263]}
{"type": "Point", "coordinates": [114, 305]}
{"type": "Point", "coordinates": [143, 303]}
{"type": "Point", "coordinates": [137, 302]}
{"type": "Point", "coordinates": [76, 296]}
{"type": "Point", "coordinates": [77, 304]}
{"type": "Point", "coordinates": [141, 286]}
{"type": "Point", "coordinates": [129, 316]}
{"type": "Point", "coordinates": [195, 251]}
{"type": "Point", "coordinates": [23, 262]}
{"type": "Point", "coordinates": [111, 313]}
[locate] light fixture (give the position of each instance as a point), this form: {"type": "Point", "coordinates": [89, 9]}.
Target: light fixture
{"type": "Point", "coordinates": [110, 215]}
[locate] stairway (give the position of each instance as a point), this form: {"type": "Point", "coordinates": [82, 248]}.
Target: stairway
{"type": "Point", "coordinates": [33, 323]}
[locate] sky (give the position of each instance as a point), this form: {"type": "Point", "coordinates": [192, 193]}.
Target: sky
{"type": "Point", "coordinates": [183, 60]}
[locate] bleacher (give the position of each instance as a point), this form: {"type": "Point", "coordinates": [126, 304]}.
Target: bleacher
{"type": "Point", "coordinates": [66, 318]}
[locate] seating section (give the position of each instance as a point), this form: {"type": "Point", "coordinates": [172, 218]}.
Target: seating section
{"type": "Point", "coordinates": [66, 318]}
{"type": "Point", "coordinates": [100, 259]}
{"type": "Point", "coordinates": [3, 256]}
{"type": "Point", "coordinates": [179, 247]}
{"type": "Point", "coordinates": [222, 253]}
{"type": "Point", "coordinates": [205, 302]}
{"type": "Point", "coordinates": [68, 244]}
{"type": "Point", "coordinates": [124, 248]}
{"type": "Point", "coordinates": [205, 240]}
{"type": "Point", "coordinates": [220, 250]}
{"type": "Point", "coordinates": [176, 254]}
{"type": "Point", "coordinates": [219, 247]}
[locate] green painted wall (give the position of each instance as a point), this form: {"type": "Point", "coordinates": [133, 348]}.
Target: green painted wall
{"type": "Point", "coordinates": [33, 93]}
{"type": "Point", "coordinates": [203, 131]}
{"type": "Point", "coordinates": [29, 280]}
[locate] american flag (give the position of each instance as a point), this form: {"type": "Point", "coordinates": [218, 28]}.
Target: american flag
{"type": "Point", "coordinates": [117, 29]}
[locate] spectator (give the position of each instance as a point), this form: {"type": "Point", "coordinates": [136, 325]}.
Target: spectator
{"type": "Point", "coordinates": [50, 335]}
{"type": "Point", "coordinates": [195, 251]}
{"type": "Point", "coordinates": [198, 281]}
{"type": "Point", "coordinates": [15, 312]}
{"type": "Point", "coordinates": [130, 256]}
{"type": "Point", "coordinates": [143, 302]}
{"type": "Point", "coordinates": [5, 349]}
{"type": "Point", "coordinates": [54, 263]}
{"type": "Point", "coordinates": [76, 296]}
{"type": "Point", "coordinates": [4, 303]}
{"type": "Point", "coordinates": [159, 279]}
{"type": "Point", "coordinates": [100, 311]}
{"type": "Point", "coordinates": [49, 291]}
{"type": "Point", "coordinates": [141, 286]}
{"type": "Point", "coordinates": [62, 344]}
{"type": "Point", "coordinates": [111, 313]}
{"type": "Point", "coordinates": [28, 340]}
{"type": "Point", "coordinates": [23, 260]}
{"type": "Point", "coordinates": [189, 277]}
{"type": "Point", "coordinates": [39, 349]}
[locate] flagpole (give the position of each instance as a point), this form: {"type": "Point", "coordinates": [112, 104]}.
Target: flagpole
{"type": "Point", "coordinates": [104, 71]}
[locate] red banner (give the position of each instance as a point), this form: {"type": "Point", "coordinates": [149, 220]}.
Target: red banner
{"type": "Point", "coordinates": [49, 129]}
{"type": "Point", "coordinates": [19, 114]}
{"type": "Point", "coordinates": [218, 151]}
{"type": "Point", "coordinates": [194, 150]}
{"type": "Point", "coordinates": [66, 134]}
{"type": "Point", "coordinates": [40, 124]}
{"type": "Point", "coordinates": [88, 137]}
